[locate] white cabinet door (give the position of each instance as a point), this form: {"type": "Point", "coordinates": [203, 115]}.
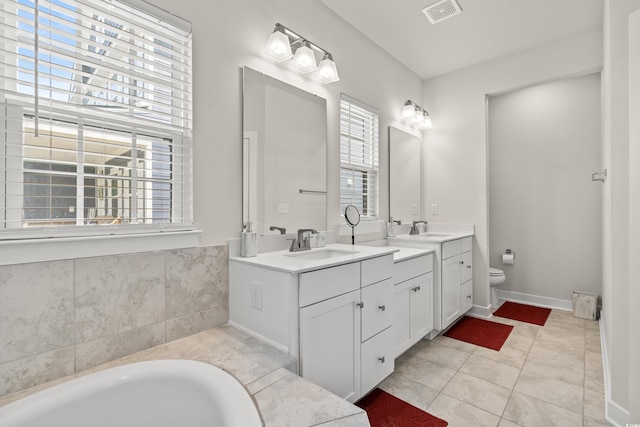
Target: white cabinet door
{"type": "Point", "coordinates": [330, 344]}
{"type": "Point", "coordinates": [413, 311]}
{"type": "Point", "coordinates": [450, 290]}
{"type": "Point", "coordinates": [422, 307]}
{"type": "Point", "coordinates": [402, 332]}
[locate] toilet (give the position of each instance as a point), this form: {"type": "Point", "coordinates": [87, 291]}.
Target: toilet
{"type": "Point", "coordinates": [496, 276]}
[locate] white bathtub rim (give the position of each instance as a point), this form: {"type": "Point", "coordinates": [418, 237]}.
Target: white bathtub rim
{"type": "Point", "coordinates": [48, 399]}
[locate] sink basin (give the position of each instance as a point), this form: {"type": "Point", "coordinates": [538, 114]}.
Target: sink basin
{"type": "Point", "coordinates": [319, 254]}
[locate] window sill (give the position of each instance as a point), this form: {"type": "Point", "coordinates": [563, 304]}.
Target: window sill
{"type": "Point", "coordinates": [55, 249]}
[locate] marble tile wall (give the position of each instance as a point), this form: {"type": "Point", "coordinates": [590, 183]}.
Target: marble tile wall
{"type": "Point", "coordinates": [61, 317]}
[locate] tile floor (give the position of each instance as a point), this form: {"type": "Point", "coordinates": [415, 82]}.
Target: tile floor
{"type": "Point", "coordinates": [542, 376]}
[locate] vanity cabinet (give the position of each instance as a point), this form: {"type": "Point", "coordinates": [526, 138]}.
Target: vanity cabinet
{"type": "Point", "coordinates": [340, 325]}
{"type": "Point", "coordinates": [456, 279]}
{"type": "Point", "coordinates": [413, 297]}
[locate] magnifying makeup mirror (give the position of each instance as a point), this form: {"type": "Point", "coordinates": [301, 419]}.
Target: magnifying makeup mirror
{"type": "Point", "coordinates": [352, 216]}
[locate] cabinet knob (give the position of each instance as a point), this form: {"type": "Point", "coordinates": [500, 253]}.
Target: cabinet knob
{"type": "Point", "coordinates": [360, 304]}
{"type": "Point", "coordinates": [468, 266]}
{"type": "Point", "coordinates": [462, 262]}
{"type": "Point", "coordinates": [381, 359]}
{"type": "Point", "coordinates": [468, 296]}
{"type": "Point", "coordinates": [416, 289]}
{"type": "Point", "coordinates": [382, 307]}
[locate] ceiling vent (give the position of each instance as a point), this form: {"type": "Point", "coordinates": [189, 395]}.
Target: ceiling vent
{"type": "Point", "coordinates": [442, 10]}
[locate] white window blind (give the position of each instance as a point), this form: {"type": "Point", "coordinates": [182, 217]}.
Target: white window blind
{"type": "Point", "coordinates": [96, 118]}
{"type": "Point", "coordinates": [359, 169]}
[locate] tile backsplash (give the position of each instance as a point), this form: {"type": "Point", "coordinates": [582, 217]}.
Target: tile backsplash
{"type": "Point", "coordinates": [61, 317]}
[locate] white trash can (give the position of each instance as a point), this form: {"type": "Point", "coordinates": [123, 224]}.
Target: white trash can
{"type": "Point", "coordinates": [585, 304]}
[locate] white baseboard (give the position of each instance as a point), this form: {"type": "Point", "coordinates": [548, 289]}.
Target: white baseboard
{"type": "Point", "coordinates": [536, 300]}
{"type": "Point", "coordinates": [481, 312]}
{"type": "Point", "coordinates": [613, 413]}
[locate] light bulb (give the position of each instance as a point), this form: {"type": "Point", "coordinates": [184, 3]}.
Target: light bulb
{"type": "Point", "coordinates": [408, 112]}
{"type": "Point", "coordinates": [327, 71]}
{"type": "Point", "coordinates": [304, 60]}
{"type": "Point", "coordinates": [278, 46]}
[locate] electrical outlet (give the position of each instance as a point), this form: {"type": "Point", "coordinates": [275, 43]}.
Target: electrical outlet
{"type": "Point", "coordinates": [434, 209]}
{"type": "Point", "coordinates": [414, 209]}
{"type": "Point", "coordinates": [256, 295]}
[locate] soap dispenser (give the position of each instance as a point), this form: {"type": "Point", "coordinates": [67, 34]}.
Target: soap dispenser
{"type": "Point", "coordinates": [249, 242]}
{"type": "Point", "coordinates": [391, 228]}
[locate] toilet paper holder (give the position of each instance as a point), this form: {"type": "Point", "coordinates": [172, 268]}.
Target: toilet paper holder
{"type": "Point", "coordinates": [508, 257]}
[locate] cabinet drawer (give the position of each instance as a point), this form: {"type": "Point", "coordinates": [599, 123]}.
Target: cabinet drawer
{"type": "Point", "coordinates": [450, 249]}
{"type": "Point", "coordinates": [377, 360]}
{"type": "Point", "coordinates": [466, 244]}
{"type": "Point", "coordinates": [320, 285]}
{"type": "Point", "coordinates": [377, 312]}
{"type": "Point", "coordinates": [376, 269]}
{"type": "Point", "coordinates": [407, 269]}
{"type": "Point", "coordinates": [466, 267]}
{"type": "Point", "coordinates": [466, 296]}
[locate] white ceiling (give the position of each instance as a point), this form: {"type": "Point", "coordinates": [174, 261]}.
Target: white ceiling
{"type": "Point", "coordinates": [486, 29]}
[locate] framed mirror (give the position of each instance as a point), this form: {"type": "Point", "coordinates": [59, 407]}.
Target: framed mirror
{"type": "Point", "coordinates": [405, 176]}
{"type": "Point", "coordinates": [284, 155]}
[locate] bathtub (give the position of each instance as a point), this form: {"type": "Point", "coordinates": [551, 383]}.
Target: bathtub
{"type": "Point", "coordinates": [158, 393]}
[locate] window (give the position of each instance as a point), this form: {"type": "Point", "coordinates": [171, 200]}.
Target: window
{"type": "Point", "coordinates": [96, 120]}
{"type": "Point", "coordinates": [358, 157]}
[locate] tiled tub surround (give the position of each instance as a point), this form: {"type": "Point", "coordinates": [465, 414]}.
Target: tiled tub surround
{"type": "Point", "coordinates": [62, 317]}
{"type": "Point", "coordinates": [284, 399]}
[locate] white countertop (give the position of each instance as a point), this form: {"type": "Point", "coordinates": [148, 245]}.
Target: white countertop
{"type": "Point", "coordinates": [430, 237]}
{"type": "Point", "coordinates": [404, 254]}
{"type": "Point", "coordinates": [295, 262]}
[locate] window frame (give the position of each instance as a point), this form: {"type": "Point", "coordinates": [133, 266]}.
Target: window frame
{"type": "Point", "coordinates": [370, 166]}
{"type": "Point", "coordinates": [180, 136]}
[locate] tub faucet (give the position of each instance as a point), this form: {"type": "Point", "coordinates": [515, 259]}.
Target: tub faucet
{"type": "Point", "coordinates": [302, 243]}
{"type": "Point", "coordinates": [282, 230]}
{"type": "Point", "coordinates": [414, 228]}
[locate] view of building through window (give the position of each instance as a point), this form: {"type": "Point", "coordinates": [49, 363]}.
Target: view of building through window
{"type": "Point", "coordinates": [97, 110]}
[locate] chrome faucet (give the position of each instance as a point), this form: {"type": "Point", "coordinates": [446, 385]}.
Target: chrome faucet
{"type": "Point", "coordinates": [282, 230]}
{"type": "Point", "coordinates": [302, 243]}
{"type": "Point", "coordinates": [414, 228]}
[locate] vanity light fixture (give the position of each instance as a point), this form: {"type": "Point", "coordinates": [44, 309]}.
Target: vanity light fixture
{"type": "Point", "coordinates": [416, 115]}
{"type": "Point", "coordinates": [282, 45]}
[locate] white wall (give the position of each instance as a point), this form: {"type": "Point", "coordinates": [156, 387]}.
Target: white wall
{"type": "Point", "coordinates": [620, 293]}
{"type": "Point", "coordinates": [232, 34]}
{"type": "Point", "coordinates": [544, 143]}
{"type": "Point", "coordinates": [456, 149]}
{"type": "Point", "coordinates": [634, 210]}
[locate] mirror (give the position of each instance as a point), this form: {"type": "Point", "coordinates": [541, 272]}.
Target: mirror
{"type": "Point", "coordinates": [405, 176]}
{"type": "Point", "coordinates": [352, 216]}
{"type": "Point", "coordinates": [284, 155]}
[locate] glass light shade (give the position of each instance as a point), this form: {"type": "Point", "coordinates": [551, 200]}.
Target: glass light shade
{"type": "Point", "coordinates": [278, 46]}
{"type": "Point", "coordinates": [327, 71]}
{"type": "Point", "coordinates": [304, 60]}
{"type": "Point", "coordinates": [425, 123]}
{"type": "Point", "coordinates": [408, 112]}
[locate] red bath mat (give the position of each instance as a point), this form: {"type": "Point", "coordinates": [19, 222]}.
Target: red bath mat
{"type": "Point", "coordinates": [386, 410]}
{"type": "Point", "coordinates": [523, 313]}
{"type": "Point", "coordinates": [480, 332]}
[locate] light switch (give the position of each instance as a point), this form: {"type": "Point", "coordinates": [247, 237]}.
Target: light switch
{"type": "Point", "coordinates": [283, 208]}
